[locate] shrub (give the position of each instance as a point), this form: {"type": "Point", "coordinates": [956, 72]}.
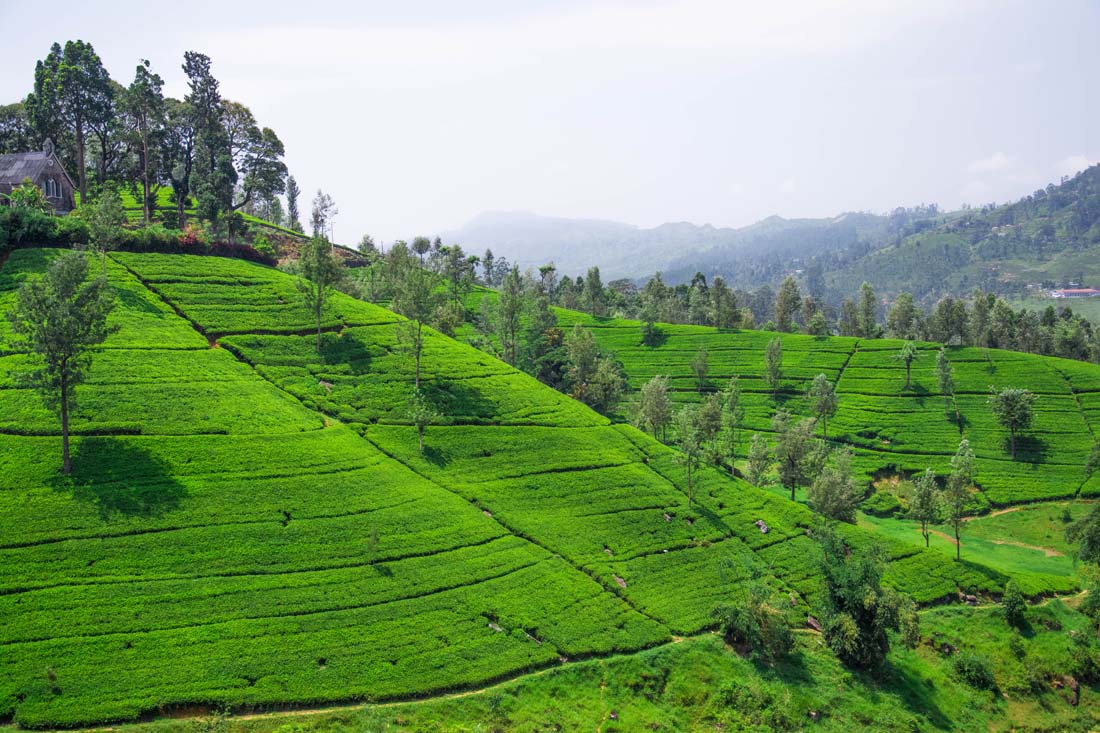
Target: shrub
{"type": "Point", "coordinates": [262, 244]}
{"type": "Point", "coordinates": [756, 624]}
{"type": "Point", "coordinates": [881, 504]}
{"type": "Point", "coordinates": [20, 227]}
{"type": "Point", "coordinates": [975, 670]}
{"type": "Point", "coordinates": [72, 230]}
{"type": "Point", "coordinates": [1013, 605]}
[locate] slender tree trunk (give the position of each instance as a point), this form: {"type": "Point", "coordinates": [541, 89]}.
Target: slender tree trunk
{"type": "Point", "coordinates": [958, 542]}
{"type": "Point", "coordinates": [924, 531]}
{"type": "Point", "coordinates": [82, 174]}
{"type": "Point", "coordinates": [1012, 443]}
{"type": "Point", "coordinates": [420, 436]}
{"type": "Point", "coordinates": [419, 346]}
{"type": "Point", "coordinates": [317, 314]}
{"type": "Point", "coordinates": [66, 463]}
{"type": "Point", "coordinates": [824, 427]}
{"type": "Point", "coordinates": [145, 177]}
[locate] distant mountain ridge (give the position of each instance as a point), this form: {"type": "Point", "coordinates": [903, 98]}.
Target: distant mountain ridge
{"type": "Point", "coordinates": [1050, 236]}
{"type": "Point", "coordinates": [623, 250]}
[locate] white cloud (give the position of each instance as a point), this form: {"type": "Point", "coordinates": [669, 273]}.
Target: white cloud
{"type": "Point", "coordinates": [996, 163]}
{"type": "Point", "coordinates": [1073, 164]}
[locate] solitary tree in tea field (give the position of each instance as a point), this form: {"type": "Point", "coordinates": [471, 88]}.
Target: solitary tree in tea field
{"type": "Point", "coordinates": [823, 401]}
{"type": "Point", "coordinates": [907, 355]}
{"type": "Point", "coordinates": [773, 364]}
{"type": "Point", "coordinates": [417, 298]}
{"type": "Point", "coordinates": [958, 490]}
{"type": "Point", "coordinates": [1013, 409]}
{"type": "Point", "coordinates": [421, 413]}
{"type": "Point", "coordinates": [320, 271]}
{"type": "Point", "coordinates": [58, 318]}
{"type": "Point", "coordinates": [924, 506]}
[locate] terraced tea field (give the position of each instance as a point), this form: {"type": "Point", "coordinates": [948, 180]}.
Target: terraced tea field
{"type": "Point", "coordinates": [891, 429]}
{"type": "Point", "coordinates": [249, 521]}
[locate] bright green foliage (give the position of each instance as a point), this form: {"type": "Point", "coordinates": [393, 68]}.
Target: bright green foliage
{"type": "Point", "coordinates": [58, 318]}
{"type": "Point", "coordinates": [708, 423]}
{"type": "Point", "coordinates": [421, 413]}
{"type": "Point", "coordinates": [924, 504]}
{"type": "Point", "coordinates": [975, 670]}
{"type": "Point", "coordinates": [105, 217]}
{"type": "Point", "coordinates": [756, 623]}
{"type": "Point", "coordinates": [28, 196]}
{"type": "Point", "coordinates": [699, 366]}
{"type": "Point", "coordinates": [793, 451]}
{"type": "Point", "coordinates": [320, 271]}
{"type": "Point", "coordinates": [256, 596]}
{"type": "Point", "coordinates": [1085, 533]}
{"type": "Point", "coordinates": [654, 408]}
{"type": "Point", "coordinates": [1013, 409]}
{"type": "Point", "coordinates": [562, 535]}
{"type": "Point", "coordinates": [773, 365]}
{"type": "Point", "coordinates": [689, 439]}
{"type": "Point", "coordinates": [833, 493]}
{"type": "Point", "coordinates": [760, 459]}
{"type": "Point", "coordinates": [733, 416]}
{"type": "Point", "coordinates": [887, 426]}
{"type": "Point", "coordinates": [907, 355]}
{"type": "Point", "coordinates": [1013, 605]}
{"type": "Point", "coordinates": [416, 297]}
{"type": "Point", "coordinates": [945, 378]}
{"type": "Point", "coordinates": [858, 610]}
{"type": "Point", "coordinates": [957, 495]}
{"type": "Point", "coordinates": [823, 401]}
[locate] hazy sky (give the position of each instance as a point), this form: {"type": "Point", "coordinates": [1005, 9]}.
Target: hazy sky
{"type": "Point", "coordinates": [416, 116]}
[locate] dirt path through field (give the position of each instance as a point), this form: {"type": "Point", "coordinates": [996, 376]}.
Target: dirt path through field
{"type": "Point", "coordinates": [997, 513]}
{"type": "Point", "coordinates": [1045, 550]}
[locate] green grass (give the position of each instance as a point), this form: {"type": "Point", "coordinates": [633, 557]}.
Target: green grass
{"type": "Point", "coordinates": [700, 685]}
{"type": "Point", "coordinates": [217, 542]}
{"type": "Point", "coordinates": [237, 533]}
{"type": "Point", "coordinates": [890, 427]}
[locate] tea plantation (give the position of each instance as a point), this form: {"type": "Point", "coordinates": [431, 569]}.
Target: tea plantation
{"type": "Point", "coordinates": [249, 522]}
{"type": "Point", "coordinates": [891, 429]}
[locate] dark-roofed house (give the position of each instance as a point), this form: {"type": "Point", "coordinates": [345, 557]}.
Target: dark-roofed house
{"type": "Point", "coordinates": [44, 170]}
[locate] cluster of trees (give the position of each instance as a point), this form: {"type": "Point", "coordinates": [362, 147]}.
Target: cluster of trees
{"type": "Point", "coordinates": [983, 319]}
{"type": "Point", "coordinates": [211, 151]}
{"type": "Point", "coordinates": [515, 323]}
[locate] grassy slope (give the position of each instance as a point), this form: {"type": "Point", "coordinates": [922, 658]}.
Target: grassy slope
{"type": "Point", "coordinates": [223, 543]}
{"type": "Point", "coordinates": [891, 429]}
{"type": "Point", "coordinates": [165, 205]}
{"type": "Point", "coordinates": [886, 425]}
{"type": "Point", "coordinates": [699, 685]}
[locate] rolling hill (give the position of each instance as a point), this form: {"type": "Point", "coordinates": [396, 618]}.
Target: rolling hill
{"type": "Point", "coordinates": [747, 256]}
{"type": "Point", "coordinates": [250, 524]}
{"type": "Point", "coordinates": [1050, 237]}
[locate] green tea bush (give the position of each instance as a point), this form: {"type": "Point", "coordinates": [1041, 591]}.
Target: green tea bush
{"type": "Point", "coordinates": [975, 670]}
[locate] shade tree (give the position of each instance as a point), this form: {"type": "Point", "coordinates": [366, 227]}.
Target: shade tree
{"type": "Point", "coordinates": [59, 318]}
